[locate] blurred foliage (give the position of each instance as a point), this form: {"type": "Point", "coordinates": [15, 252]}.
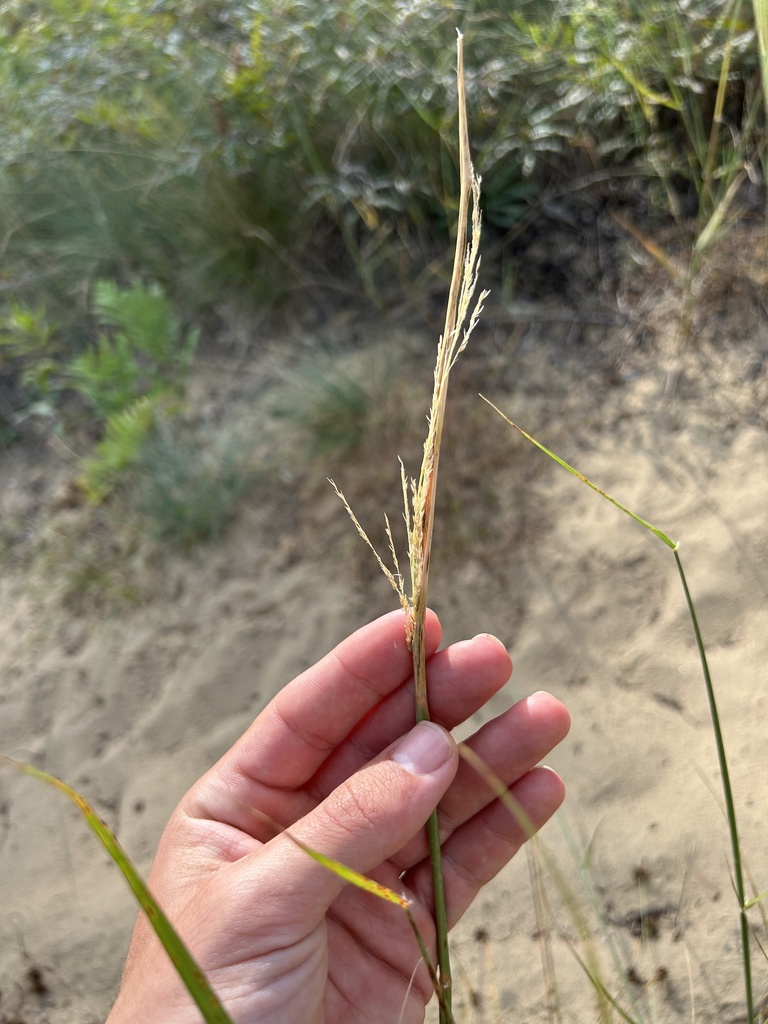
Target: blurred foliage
{"type": "Point", "coordinates": [140, 362]}
{"type": "Point", "coordinates": [191, 483]}
{"type": "Point", "coordinates": [140, 351]}
{"type": "Point", "coordinates": [208, 142]}
{"type": "Point", "coordinates": [28, 366]}
{"type": "Point", "coordinates": [334, 411]}
{"type": "Point", "coordinates": [253, 145]}
{"type": "Point", "coordinates": [126, 432]}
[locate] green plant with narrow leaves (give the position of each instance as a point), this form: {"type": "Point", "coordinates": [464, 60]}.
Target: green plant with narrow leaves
{"type": "Point", "coordinates": [190, 973]}
{"type": "Point", "coordinates": [738, 871]}
{"type": "Point", "coordinates": [194, 979]}
{"type": "Point", "coordinates": [189, 484]}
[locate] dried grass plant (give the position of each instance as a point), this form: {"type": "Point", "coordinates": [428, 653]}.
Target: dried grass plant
{"type": "Point", "coordinates": [419, 497]}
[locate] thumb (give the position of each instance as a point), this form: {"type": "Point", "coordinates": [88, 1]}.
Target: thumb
{"type": "Point", "coordinates": [365, 820]}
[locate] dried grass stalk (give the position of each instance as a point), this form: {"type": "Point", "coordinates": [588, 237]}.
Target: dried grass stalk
{"type": "Point", "coordinates": [419, 498]}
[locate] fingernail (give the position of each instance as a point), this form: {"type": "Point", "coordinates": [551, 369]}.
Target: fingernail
{"type": "Point", "coordinates": [424, 749]}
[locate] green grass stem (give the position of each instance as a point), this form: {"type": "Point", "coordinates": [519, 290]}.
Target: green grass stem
{"type": "Point", "coordinates": [714, 714]}
{"type": "Point", "coordinates": [760, 8]}
{"type": "Point", "coordinates": [738, 870]}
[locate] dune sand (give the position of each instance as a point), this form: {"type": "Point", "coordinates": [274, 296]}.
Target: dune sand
{"type": "Point", "coordinates": [130, 696]}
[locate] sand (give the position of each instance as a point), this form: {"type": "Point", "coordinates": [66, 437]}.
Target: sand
{"type": "Point", "coordinates": [129, 685]}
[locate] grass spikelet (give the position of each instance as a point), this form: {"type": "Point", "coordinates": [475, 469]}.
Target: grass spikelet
{"type": "Point", "coordinates": [395, 578]}
{"type": "Point", "coordinates": [419, 497]}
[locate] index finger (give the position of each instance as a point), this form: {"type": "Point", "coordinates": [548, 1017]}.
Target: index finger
{"type": "Point", "coordinates": [311, 716]}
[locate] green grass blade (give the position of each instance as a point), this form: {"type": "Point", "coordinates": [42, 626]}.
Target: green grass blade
{"type": "Point", "coordinates": [189, 972]}
{"type": "Point", "coordinates": [383, 892]}
{"type": "Point", "coordinates": [714, 714]}
{"type": "Point", "coordinates": [601, 989]}
{"type": "Point", "coordinates": [738, 870]}
{"type": "Point", "coordinates": [591, 965]}
{"type": "Point", "coordinates": [761, 21]}
{"type": "Point", "coordinates": [659, 533]}
{"type": "Point", "coordinates": [755, 900]}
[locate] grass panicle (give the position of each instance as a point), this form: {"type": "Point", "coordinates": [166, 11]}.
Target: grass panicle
{"type": "Point", "coordinates": [462, 313]}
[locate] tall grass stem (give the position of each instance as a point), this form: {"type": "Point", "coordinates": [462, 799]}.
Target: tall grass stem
{"type": "Point", "coordinates": [738, 870]}
{"type": "Point", "coordinates": [419, 498]}
{"type": "Point", "coordinates": [714, 714]}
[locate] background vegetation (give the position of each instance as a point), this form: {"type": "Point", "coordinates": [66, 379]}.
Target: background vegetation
{"type": "Point", "coordinates": [244, 148]}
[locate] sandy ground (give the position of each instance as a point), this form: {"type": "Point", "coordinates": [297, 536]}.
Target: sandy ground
{"type": "Point", "coordinates": [130, 691]}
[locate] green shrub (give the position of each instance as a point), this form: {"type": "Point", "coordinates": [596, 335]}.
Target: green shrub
{"type": "Point", "coordinates": [141, 361]}
{"type": "Point", "coordinates": [126, 432]}
{"type": "Point", "coordinates": [238, 144]}
{"type": "Point", "coordinates": [144, 351]}
{"type": "Point", "coordinates": [110, 156]}
{"type": "Point", "coordinates": [366, 121]}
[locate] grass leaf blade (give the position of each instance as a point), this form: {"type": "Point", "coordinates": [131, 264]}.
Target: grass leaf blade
{"type": "Point", "coordinates": [347, 874]}
{"type": "Point", "coordinates": [561, 462]}
{"type": "Point", "coordinates": [189, 972]}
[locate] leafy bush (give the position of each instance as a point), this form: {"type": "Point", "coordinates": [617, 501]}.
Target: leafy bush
{"type": "Point", "coordinates": [110, 148]}
{"type": "Point", "coordinates": [144, 353]}
{"type": "Point", "coordinates": [211, 145]}
{"type": "Point", "coordinates": [131, 374]}
{"type": "Point", "coordinates": [366, 119]}
{"type": "Point", "coordinates": [126, 433]}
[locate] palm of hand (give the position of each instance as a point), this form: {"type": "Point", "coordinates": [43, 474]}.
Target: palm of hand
{"type": "Point", "coordinates": [279, 936]}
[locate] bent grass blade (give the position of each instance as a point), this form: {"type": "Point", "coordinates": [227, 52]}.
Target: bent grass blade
{"type": "Point", "coordinates": [383, 892]}
{"type": "Point", "coordinates": [590, 962]}
{"type": "Point", "coordinates": [561, 462]}
{"type": "Point", "coordinates": [189, 972]}
{"type": "Point", "coordinates": [352, 877]}
{"type": "Point", "coordinates": [738, 869]}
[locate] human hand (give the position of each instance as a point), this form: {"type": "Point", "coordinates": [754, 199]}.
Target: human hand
{"type": "Point", "coordinates": [332, 759]}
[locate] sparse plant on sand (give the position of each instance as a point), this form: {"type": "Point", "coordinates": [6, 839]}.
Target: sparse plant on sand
{"type": "Point", "coordinates": [744, 903]}
{"type": "Point", "coordinates": [190, 484]}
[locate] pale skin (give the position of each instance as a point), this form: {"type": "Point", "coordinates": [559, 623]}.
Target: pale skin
{"type": "Point", "coordinates": [336, 760]}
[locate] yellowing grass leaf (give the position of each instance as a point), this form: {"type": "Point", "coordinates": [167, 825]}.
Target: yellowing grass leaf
{"type": "Point", "coordinates": [352, 876]}
{"type": "Point", "coordinates": [755, 900]}
{"type": "Point", "coordinates": [761, 22]}
{"type": "Point", "coordinates": [189, 972]}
